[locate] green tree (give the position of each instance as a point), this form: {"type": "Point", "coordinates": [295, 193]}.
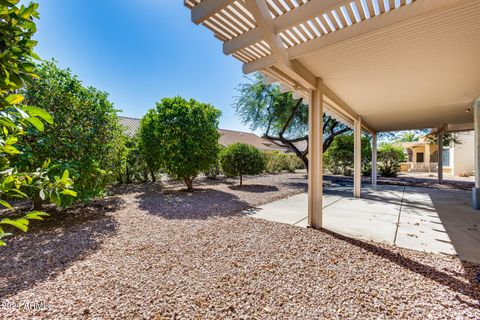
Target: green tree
{"type": "Point", "coordinates": [86, 139]}
{"type": "Point", "coordinates": [215, 169]}
{"type": "Point", "coordinates": [281, 118]}
{"type": "Point", "coordinates": [181, 137]}
{"type": "Point", "coordinates": [389, 158]}
{"type": "Point", "coordinates": [408, 136]}
{"type": "Point", "coordinates": [17, 119]}
{"type": "Point", "coordinates": [339, 157]}
{"type": "Point", "coordinates": [136, 168]}
{"type": "Point", "coordinates": [148, 146]}
{"type": "Point", "coordinates": [449, 139]}
{"type": "Point", "coordinates": [241, 159]}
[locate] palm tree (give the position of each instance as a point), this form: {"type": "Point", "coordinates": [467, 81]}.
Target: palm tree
{"type": "Point", "coordinates": [408, 136]}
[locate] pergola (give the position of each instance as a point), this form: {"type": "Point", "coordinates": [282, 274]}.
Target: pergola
{"type": "Point", "coordinates": [378, 65]}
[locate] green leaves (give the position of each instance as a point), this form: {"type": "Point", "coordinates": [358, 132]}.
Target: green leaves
{"type": "Point", "coordinates": [38, 112]}
{"type": "Point", "coordinates": [8, 3]}
{"type": "Point", "coordinates": [86, 138]}
{"type": "Point", "coordinates": [14, 99]}
{"type": "Point", "coordinates": [5, 204]}
{"type": "Point", "coordinates": [181, 137]}
{"type": "Point", "coordinates": [240, 159]}
{"type": "Point", "coordinates": [19, 223]}
{"type": "Point", "coordinates": [17, 28]}
{"type": "Point", "coordinates": [69, 192]}
{"type": "Point", "coordinates": [36, 123]}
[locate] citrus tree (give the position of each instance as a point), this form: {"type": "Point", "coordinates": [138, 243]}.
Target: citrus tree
{"type": "Point", "coordinates": [86, 138]}
{"type": "Point", "coordinates": [241, 159]}
{"type": "Point", "coordinates": [17, 118]}
{"type": "Point", "coordinates": [181, 136]}
{"type": "Point", "coordinates": [148, 146]}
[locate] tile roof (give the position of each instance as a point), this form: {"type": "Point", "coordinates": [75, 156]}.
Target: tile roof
{"type": "Point", "coordinates": [227, 137]}
{"type": "Point", "coordinates": [131, 125]}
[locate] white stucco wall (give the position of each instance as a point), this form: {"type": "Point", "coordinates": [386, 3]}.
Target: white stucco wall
{"type": "Point", "coordinates": [462, 155]}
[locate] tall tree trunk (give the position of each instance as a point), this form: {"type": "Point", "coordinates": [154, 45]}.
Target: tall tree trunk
{"type": "Point", "coordinates": [241, 180]}
{"type": "Point", "coordinates": [152, 175]}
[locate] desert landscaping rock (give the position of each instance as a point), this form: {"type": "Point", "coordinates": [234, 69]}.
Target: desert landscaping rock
{"type": "Point", "coordinates": [154, 251]}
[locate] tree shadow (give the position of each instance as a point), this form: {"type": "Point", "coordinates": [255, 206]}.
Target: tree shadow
{"type": "Point", "coordinates": [468, 287]}
{"type": "Point", "coordinates": [255, 188]}
{"type": "Point", "coordinates": [52, 245]}
{"type": "Point", "coordinates": [169, 184]}
{"type": "Point", "coordinates": [201, 204]}
{"type": "Point", "coordinates": [300, 182]}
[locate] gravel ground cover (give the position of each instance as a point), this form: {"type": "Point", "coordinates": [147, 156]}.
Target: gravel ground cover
{"type": "Point", "coordinates": [155, 252]}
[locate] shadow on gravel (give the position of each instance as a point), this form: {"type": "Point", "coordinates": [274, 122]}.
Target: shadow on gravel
{"type": "Point", "coordinates": [52, 245]}
{"type": "Point", "coordinates": [256, 188]}
{"type": "Point", "coordinates": [468, 285]}
{"type": "Point", "coordinates": [200, 204]}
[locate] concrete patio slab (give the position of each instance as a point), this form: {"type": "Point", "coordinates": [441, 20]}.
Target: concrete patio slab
{"type": "Point", "coordinates": [422, 219]}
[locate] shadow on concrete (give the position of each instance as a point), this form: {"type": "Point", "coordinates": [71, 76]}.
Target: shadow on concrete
{"type": "Point", "coordinates": [461, 222]}
{"type": "Point", "coordinates": [52, 245]}
{"type": "Point", "coordinates": [469, 287]}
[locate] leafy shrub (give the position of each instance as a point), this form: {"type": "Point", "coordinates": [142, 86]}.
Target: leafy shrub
{"type": "Point", "coordinates": [338, 159]}
{"type": "Point", "coordinates": [215, 169]}
{"type": "Point", "coordinates": [18, 119]}
{"type": "Point", "coordinates": [181, 137]}
{"type": "Point", "coordinates": [136, 168]}
{"type": "Point", "coordinates": [277, 162]}
{"type": "Point", "coordinates": [87, 138]}
{"type": "Point", "coordinates": [241, 159]}
{"type": "Point", "coordinates": [147, 144]}
{"type": "Point", "coordinates": [389, 158]}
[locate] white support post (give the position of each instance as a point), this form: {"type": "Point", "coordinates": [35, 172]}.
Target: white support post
{"type": "Point", "coordinates": [357, 158]}
{"type": "Point", "coordinates": [315, 157]}
{"type": "Point", "coordinates": [476, 189]}
{"type": "Point", "coordinates": [440, 156]}
{"type": "Point", "coordinates": [374, 159]}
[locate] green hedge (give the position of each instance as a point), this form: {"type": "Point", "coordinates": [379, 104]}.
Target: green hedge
{"type": "Point", "coordinates": [277, 162]}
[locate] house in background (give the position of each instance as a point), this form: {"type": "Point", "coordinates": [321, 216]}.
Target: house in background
{"type": "Point", "coordinates": [457, 159]}
{"type": "Point", "coordinates": [227, 137]}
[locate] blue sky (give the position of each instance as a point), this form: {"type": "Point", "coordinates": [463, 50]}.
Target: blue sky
{"type": "Point", "coordinates": [140, 51]}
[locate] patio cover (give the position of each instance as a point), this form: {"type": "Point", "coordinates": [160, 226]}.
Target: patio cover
{"type": "Point", "coordinates": [398, 64]}
{"type": "Point", "coordinates": [380, 65]}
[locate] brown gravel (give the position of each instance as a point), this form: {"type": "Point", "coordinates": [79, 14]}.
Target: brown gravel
{"type": "Point", "coordinates": [147, 253]}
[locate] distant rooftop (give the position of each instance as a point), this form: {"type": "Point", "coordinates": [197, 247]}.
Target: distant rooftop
{"type": "Point", "coordinates": [227, 137]}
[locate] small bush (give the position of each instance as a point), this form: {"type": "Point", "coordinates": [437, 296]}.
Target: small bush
{"type": "Point", "coordinates": [278, 162]}
{"type": "Point", "coordinates": [215, 169]}
{"type": "Point", "coordinates": [136, 169]}
{"type": "Point", "coordinates": [240, 159]}
{"type": "Point", "coordinates": [389, 158]}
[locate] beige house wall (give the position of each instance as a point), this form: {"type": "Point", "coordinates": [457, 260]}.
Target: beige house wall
{"type": "Point", "coordinates": [462, 155]}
